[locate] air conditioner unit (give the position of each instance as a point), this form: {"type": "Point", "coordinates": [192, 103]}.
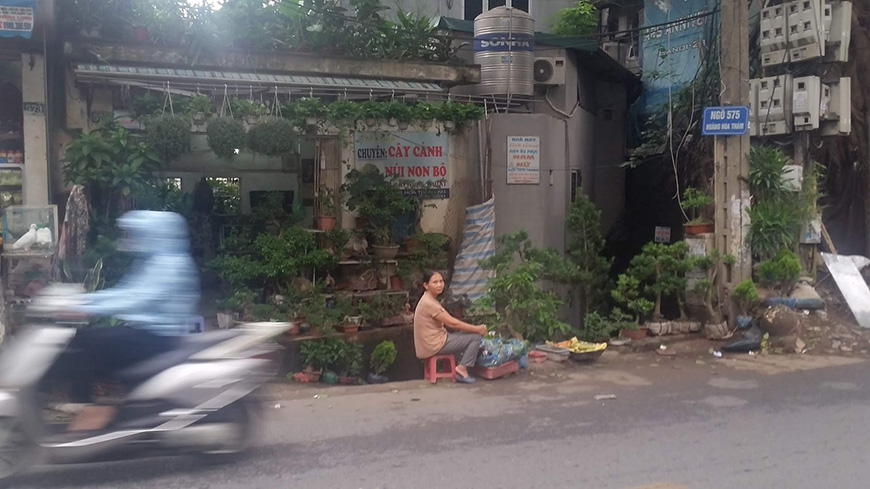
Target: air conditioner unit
{"type": "Point", "coordinates": [549, 71]}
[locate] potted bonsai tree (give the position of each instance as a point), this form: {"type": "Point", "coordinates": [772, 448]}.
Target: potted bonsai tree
{"type": "Point", "coordinates": [328, 206]}
{"type": "Point", "coordinates": [382, 358]}
{"type": "Point", "coordinates": [380, 202]}
{"type": "Point", "coordinates": [317, 355]}
{"type": "Point", "coordinates": [628, 293]}
{"type": "Point", "coordinates": [746, 296]}
{"type": "Point", "coordinates": [694, 202]}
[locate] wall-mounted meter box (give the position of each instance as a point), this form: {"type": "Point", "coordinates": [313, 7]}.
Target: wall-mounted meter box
{"type": "Point", "coordinates": [773, 38]}
{"type": "Point", "coordinates": [838, 27]}
{"type": "Point", "coordinates": [774, 105]}
{"type": "Point", "coordinates": [837, 119]}
{"type": "Point", "coordinates": [807, 103]}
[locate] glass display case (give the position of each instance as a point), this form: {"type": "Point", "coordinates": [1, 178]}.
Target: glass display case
{"type": "Point", "coordinates": [29, 229]}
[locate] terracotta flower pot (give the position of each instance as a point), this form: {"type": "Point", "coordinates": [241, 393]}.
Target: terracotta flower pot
{"type": "Point", "coordinates": [326, 223]}
{"type": "Point", "coordinates": [696, 229]}
{"type": "Point", "coordinates": [348, 380]}
{"type": "Point", "coordinates": [396, 283]}
{"type": "Point", "coordinates": [361, 222]}
{"type": "Point", "coordinates": [412, 243]}
{"type": "Point", "coordinates": [348, 328]}
{"type": "Point", "coordinates": [634, 334]}
{"type": "Point", "coordinates": [312, 375]}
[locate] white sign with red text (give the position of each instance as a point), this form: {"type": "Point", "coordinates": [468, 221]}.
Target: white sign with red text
{"type": "Point", "coordinates": [524, 160]}
{"type": "Point", "coordinates": [417, 158]}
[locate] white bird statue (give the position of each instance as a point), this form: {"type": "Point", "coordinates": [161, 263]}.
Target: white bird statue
{"type": "Point", "coordinates": [26, 240]}
{"type": "Point", "coordinates": [43, 238]}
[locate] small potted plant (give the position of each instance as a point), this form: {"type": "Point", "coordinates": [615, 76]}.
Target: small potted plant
{"type": "Point", "coordinates": [382, 358]}
{"type": "Point", "coordinates": [328, 202]}
{"type": "Point", "coordinates": [317, 355]}
{"type": "Point", "coordinates": [694, 202]}
{"type": "Point", "coordinates": [746, 296]}
{"type": "Point", "coordinates": [781, 272]}
{"type": "Point", "coordinates": [381, 202]}
{"type": "Point", "coordinates": [201, 107]}
{"type": "Point", "coordinates": [226, 137]}
{"type": "Point", "coordinates": [335, 242]}
{"type": "Point", "coordinates": [351, 364]}
{"type": "Point", "coordinates": [455, 115]}
{"type": "Point", "coordinates": [382, 310]}
{"type": "Point", "coordinates": [424, 113]}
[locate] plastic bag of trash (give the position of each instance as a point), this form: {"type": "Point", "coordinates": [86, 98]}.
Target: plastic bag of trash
{"type": "Point", "coordinates": [495, 351]}
{"type": "Point", "coordinates": [751, 341]}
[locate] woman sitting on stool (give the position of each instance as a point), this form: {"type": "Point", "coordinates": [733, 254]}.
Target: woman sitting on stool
{"type": "Point", "coordinates": [430, 336]}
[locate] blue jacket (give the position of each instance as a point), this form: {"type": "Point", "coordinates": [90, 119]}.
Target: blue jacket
{"type": "Point", "coordinates": [161, 292]}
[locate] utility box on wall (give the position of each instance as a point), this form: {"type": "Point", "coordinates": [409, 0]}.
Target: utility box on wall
{"type": "Point", "coordinates": [775, 105]}
{"type": "Point", "coordinates": [807, 102]}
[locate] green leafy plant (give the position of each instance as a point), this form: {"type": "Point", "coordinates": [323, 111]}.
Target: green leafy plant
{"type": "Point", "coordinates": [383, 356]}
{"type": "Point", "coordinates": [146, 105]}
{"type": "Point", "coordinates": [321, 354]}
{"type": "Point", "coordinates": [324, 314]}
{"type": "Point", "coordinates": [111, 163]}
{"type": "Point", "coordinates": [585, 250]}
{"type": "Point", "coordinates": [263, 312]}
{"type": "Point", "coordinates": [746, 296]}
{"type": "Point", "coordinates": [274, 138]}
{"type": "Point", "coordinates": [522, 307]}
{"type": "Point", "coordinates": [710, 264]}
{"type": "Point", "coordinates": [399, 111]}
{"type": "Point", "coordinates": [350, 364]}
{"type": "Point", "coordinates": [578, 21]}
{"type": "Point", "coordinates": [694, 201]}
{"type": "Point", "coordinates": [226, 136]}
{"type": "Point", "coordinates": [168, 136]}
{"type": "Point", "coordinates": [780, 272]}
{"type": "Point", "coordinates": [336, 241]}
{"type": "Point", "coordinates": [307, 111]}
{"type": "Point", "coordinates": [381, 307]}
{"type": "Point", "coordinates": [373, 111]}
{"type": "Point", "coordinates": [597, 327]}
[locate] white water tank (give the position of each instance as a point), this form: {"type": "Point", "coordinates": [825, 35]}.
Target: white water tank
{"type": "Point", "coordinates": [504, 47]}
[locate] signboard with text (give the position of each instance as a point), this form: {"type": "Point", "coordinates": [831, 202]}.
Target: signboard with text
{"type": "Point", "coordinates": [16, 18]}
{"type": "Point", "coordinates": [725, 121]}
{"type": "Point", "coordinates": [523, 160]}
{"type": "Point", "coordinates": [417, 159]}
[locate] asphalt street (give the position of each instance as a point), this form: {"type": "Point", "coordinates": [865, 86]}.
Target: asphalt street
{"type": "Point", "coordinates": [791, 422]}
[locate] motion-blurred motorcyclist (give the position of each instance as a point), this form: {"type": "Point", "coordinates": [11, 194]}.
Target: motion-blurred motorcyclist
{"type": "Point", "coordinates": [155, 301]}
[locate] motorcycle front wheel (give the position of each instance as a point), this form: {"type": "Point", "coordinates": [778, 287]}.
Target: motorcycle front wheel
{"type": "Point", "coordinates": [237, 420]}
{"type": "Point", "coordinates": [16, 448]}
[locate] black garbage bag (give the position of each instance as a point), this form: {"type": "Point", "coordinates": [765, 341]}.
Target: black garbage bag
{"type": "Point", "coordinates": [751, 341]}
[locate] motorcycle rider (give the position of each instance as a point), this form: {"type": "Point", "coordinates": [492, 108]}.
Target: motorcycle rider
{"type": "Point", "coordinates": [155, 301]}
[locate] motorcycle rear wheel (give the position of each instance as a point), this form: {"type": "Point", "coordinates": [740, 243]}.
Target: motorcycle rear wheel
{"type": "Point", "coordinates": [239, 418]}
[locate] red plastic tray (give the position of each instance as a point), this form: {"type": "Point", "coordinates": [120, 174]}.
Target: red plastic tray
{"type": "Point", "coordinates": [496, 372]}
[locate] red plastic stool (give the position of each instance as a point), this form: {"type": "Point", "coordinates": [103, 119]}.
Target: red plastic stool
{"type": "Point", "coordinates": [430, 368]}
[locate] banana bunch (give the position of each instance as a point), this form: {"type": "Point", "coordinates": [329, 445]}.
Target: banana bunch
{"type": "Point", "coordinates": [576, 346]}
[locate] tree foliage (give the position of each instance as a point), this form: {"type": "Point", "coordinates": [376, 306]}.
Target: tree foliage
{"type": "Point", "coordinates": [577, 21]}
{"type": "Point", "coordinates": [585, 248]}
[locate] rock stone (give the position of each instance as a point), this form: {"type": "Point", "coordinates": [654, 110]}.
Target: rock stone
{"type": "Point", "coordinates": [779, 321]}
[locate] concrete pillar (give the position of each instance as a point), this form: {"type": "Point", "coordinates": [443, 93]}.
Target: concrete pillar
{"type": "Point", "coordinates": [36, 166]}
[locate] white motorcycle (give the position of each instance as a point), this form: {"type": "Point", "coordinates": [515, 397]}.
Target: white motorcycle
{"type": "Point", "coordinates": [199, 397]}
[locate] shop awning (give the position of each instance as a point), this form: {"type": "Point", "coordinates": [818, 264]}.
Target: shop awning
{"type": "Point", "coordinates": [195, 80]}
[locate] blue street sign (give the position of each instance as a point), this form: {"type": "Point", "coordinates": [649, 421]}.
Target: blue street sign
{"type": "Point", "coordinates": [725, 121]}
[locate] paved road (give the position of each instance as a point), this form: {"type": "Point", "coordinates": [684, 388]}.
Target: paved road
{"type": "Point", "coordinates": [793, 423]}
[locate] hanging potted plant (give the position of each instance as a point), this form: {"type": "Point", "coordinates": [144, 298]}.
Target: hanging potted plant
{"type": "Point", "coordinates": [308, 112]}
{"type": "Point", "coordinates": [275, 137]}
{"type": "Point", "coordinates": [398, 114]}
{"type": "Point", "coordinates": [382, 358]}
{"type": "Point", "coordinates": [424, 113]}
{"type": "Point", "coordinates": [343, 113]}
{"type": "Point", "coordinates": [168, 135]}
{"type": "Point", "coordinates": [455, 115]}
{"type": "Point", "coordinates": [201, 108]}
{"type": "Point", "coordinates": [226, 137]}
{"type": "Point", "coordinates": [248, 110]}
{"type": "Point", "coordinates": [373, 112]}
{"type": "Point", "coordinates": [694, 202]}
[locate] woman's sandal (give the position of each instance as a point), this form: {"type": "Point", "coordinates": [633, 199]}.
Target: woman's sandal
{"type": "Point", "coordinates": [465, 380]}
